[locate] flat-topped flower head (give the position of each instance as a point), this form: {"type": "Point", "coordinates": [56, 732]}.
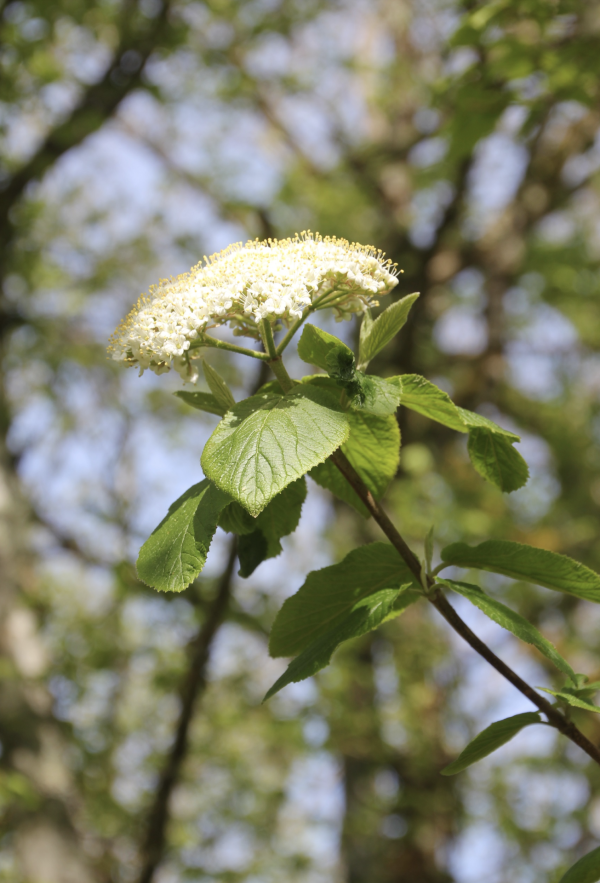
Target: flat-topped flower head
{"type": "Point", "coordinates": [275, 279]}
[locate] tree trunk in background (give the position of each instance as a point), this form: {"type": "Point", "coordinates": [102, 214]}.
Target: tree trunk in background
{"type": "Point", "coordinates": [399, 811]}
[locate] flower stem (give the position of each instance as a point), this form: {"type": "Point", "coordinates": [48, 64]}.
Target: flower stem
{"type": "Point", "coordinates": [206, 340]}
{"type": "Point", "coordinates": [266, 332]}
{"type": "Point", "coordinates": [314, 306]}
{"type": "Point", "coordinates": [273, 358]}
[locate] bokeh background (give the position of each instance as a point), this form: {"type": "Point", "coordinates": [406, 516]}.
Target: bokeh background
{"type": "Point", "coordinates": [140, 135]}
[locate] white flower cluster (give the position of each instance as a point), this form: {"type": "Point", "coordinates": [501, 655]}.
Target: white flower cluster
{"type": "Point", "coordinates": [274, 280]}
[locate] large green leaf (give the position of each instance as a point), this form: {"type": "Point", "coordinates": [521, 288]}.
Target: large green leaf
{"type": "Point", "coordinates": [511, 621]}
{"type": "Point", "coordinates": [317, 347]}
{"type": "Point", "coordinates": [267, 441]}
{"type": "Point", "coordinates": [547, 569]}
{"type": "Point", "coordinates": [422, 396]}
{"type": "Point", "coordinates": [373, 448]}
{"type": "Point", "coordinates": [586, 870]}
{"type": "Point", "coordinates": [385, 327]}
{"type": "Point", "coordinates": [490, 739]}
{"type": "Point", "coordinates": [364, 616]}
{"type": "Point", "coordinates": [175, 553]}
{"type": "Point", "coordinates": [496, 459]}
{"type": "Point", "coordinates": [330, 594]}
{"type": "Point", "coordinates": [202, 401]}
{"type": "Point", "coordinates": [218, 387]}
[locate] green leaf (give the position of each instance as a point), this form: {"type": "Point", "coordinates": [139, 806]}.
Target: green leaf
{"type": "Point", "coordinates": [572, 699]}
{"type": "Point", "coordinates": [539, 566]}
{"type": "Point", "coordinates": [252, 551]}
{"type": "Point", "coordinates": [422, 396]}
{"type": "Point", "coordinates": [490, 739]}
{"type": "Point", "coordinates": [477, 421]}
{"type": "Point", "coordinates": [282, 515]}
{"type": "Point", "coordinates": [267, 441]}
{"type": "Point", "coordinates": [329, 594]}
{"type": "Point", "coordinates": [427, 399]}
{"type": "Point", "coordinates": [175, 553]}
{"type": "Point", "coordinates": [373, 448]}
{"type": "Point", "coordinates": [218, 387]}
{"type": "Point", "coordinates": [202, 401]}
{"type": "Point", "coordinates": [279, 519]}
{"type": "Point", "coordinates": [273, 386]}
{"type": "Point", "coordinates": [364, 616]}
{"type": "Point", "coordinates": [235, 519]}
{"type": "Point", "coordinates": [586, 870]}
{"type": "Point", "coordinates": [368, 393]}
{"type": "Point", "coordinates": [511, 621]}
{"type": "Point", "coordinates": [322, 349]}
{"type": "Point", "coordinates": [385, 327]}
{"type": "Point", "coordinates": [373, 394]}
{"type": "Point", "coordinates": [580, 685]}
{"type": "Point", "coordinates": [495, 458]}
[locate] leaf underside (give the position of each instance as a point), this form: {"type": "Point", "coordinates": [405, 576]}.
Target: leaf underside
{"type": "Point", "coordinates": [496, 459]}
{"type": "Point", "coordinates": [175, 553]}
{"type": "Point", "coordinates": [364, 616]}
{"type": "Point", "coordinates": [548, 569]}
{"type": "Point", "coordinates": [490, 739]}
{"type": "Point", "coordinates": [586, 870]}
{"type": "Point", "coordinates": [202, 401]}
{"type": "Point", "coordinates": [511, 621]}
{"type": "Point", "coordinates": [330, 594]}
{"type": "Point", "coordinates": [279, 519]}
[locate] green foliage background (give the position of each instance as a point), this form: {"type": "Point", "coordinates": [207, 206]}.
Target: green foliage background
{"type": "Point", "coordinates": [461, 138]}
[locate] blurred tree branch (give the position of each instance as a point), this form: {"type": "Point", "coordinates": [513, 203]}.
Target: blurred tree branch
{"type": "Point", "coordinates": [192, 688]}
{"type": "Point", "coordinates": [98, 102]}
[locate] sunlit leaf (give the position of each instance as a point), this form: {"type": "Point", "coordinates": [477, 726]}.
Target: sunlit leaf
{"type": "Point", "coordinates": [267, 441]}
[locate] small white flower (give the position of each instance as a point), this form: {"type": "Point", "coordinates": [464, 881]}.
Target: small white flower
{"type": "Point", "coordinates": [274, 280]}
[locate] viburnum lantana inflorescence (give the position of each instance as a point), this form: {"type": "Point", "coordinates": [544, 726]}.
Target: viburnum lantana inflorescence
{"type": "Point", "coordinates": [244, 284]}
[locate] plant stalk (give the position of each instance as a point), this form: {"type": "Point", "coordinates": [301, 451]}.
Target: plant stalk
{"type": "Point", "coordinates": [306, 313]}
{"type": "Point", "coordinates": [206, 340]}
{"type": "Point", "coordinates": [274, 360]}
{"type": "Point", "coordinates": [443, 606]}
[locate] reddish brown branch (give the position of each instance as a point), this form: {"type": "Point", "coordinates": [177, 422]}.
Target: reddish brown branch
{"type": "Point", "coordinates": [439, 601]}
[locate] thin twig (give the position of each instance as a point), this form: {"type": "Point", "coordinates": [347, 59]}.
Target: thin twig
{"type": "Point", "coordinates": [193, 686]}
{"type": "Point", "coordinates": [442, 605]}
